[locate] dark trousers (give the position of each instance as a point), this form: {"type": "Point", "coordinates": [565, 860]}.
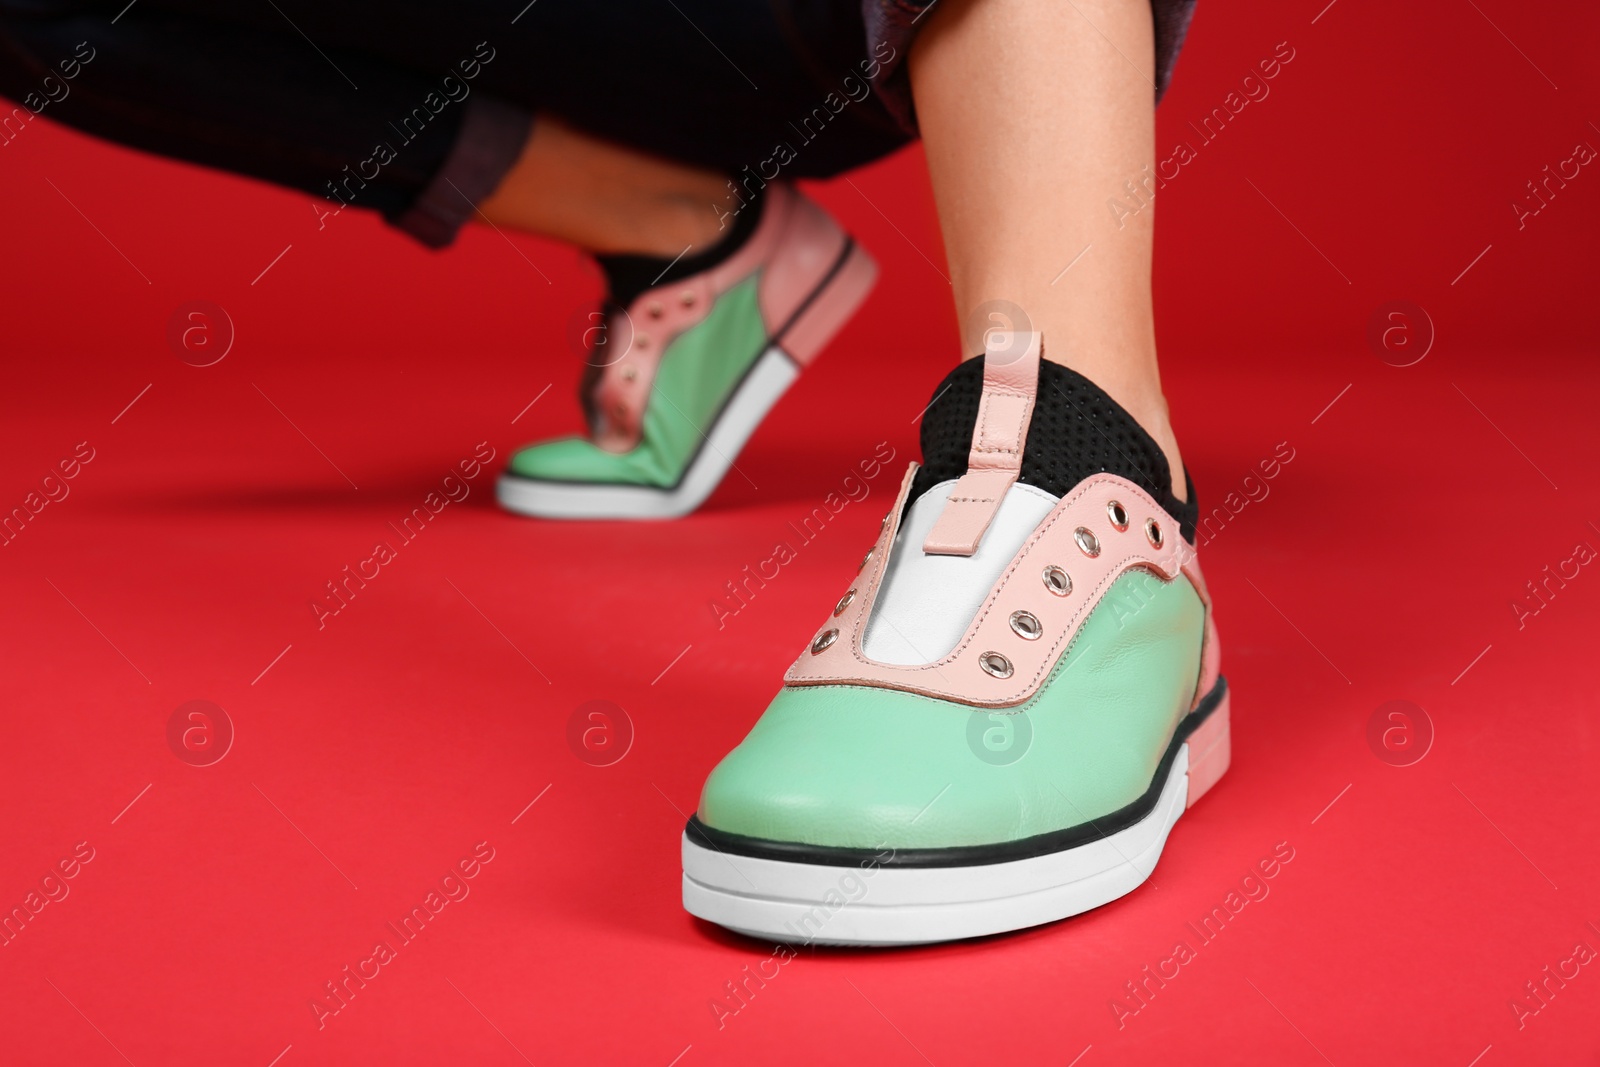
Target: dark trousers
{"type": "Point", "coordinates": [417, 109]}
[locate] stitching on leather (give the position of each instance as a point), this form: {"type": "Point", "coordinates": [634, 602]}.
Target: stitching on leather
{"type": "Point", "coordinates": [1062, 643]}
{"type": "Point", "coordinates": [981, 433]}
{"type": "Point", "coordinates": [863, 612]}
{"type": "Point", "coordinates": [915, 674]}
{"type": "Point", "coordinates": [982, 429]}
{"type": "Point", "coordinates": [1058, 512]}
{"type": "Point", "coordinates": [916, 686]}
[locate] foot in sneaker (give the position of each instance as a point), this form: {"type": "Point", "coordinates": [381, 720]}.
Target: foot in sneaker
{"type": "Point", "coordinates": [692, 365]}
{"type": "Point", "coordinates": [1008, 708]}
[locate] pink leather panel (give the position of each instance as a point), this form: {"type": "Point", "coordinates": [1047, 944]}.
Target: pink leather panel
{"type": "Point", "coordinates": [967, 513]}
{"type": "Point", "coordinates": [1211, 650]}
{"type": "Point", "coordinates": [793, 247]}
{"type": "Point", "coordinates": [1210, 752]}
{"type": "Point", "coordinates": [815, 326]}
{"type": "Point", "coordinates": [959, 676]}
{"type": "Point", "coordinates": [1010, 385]}
{"type": "Point", "coordinates": [781, 202]}
{"type": "Point", "coordinates": [811, 245]}
{"type": "Point", "coordinates": [645, 329]}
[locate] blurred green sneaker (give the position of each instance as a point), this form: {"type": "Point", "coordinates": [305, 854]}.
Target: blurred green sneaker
{"type": "Point", "coordinates": [689, 368]}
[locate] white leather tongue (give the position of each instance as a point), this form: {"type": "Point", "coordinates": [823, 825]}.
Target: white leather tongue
{"type": "Point", "coordinates": [927, 602]}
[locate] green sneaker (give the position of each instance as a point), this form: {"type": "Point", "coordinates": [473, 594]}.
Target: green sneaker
{"type": "Point", "coordinates": [692, 367]}
{"type": "Point", "coordinates": [1007, 710]}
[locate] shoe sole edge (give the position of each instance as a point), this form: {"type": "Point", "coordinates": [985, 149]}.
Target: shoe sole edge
{"type": "Point", "coordinates": [906, 906]}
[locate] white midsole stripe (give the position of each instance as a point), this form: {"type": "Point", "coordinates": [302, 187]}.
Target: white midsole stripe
{"type": "Point", "coordinates": [890, 905]}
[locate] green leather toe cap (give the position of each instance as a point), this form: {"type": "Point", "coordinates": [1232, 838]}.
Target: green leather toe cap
{"type": "Point", "coordinates": [862, 767]}
{"type": "Point", "coordinates": [579, 461]}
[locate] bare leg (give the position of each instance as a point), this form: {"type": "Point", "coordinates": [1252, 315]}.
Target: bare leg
{"type": "Point", "coordinates": [606, 198]}
{"type": "Point", "coordinates": [1034, 113]}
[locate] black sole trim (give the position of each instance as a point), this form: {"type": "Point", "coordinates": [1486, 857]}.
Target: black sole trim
{"type": "Point", "coordinates": [969, 855]}
{"type": "Point", "coordinates": [774, 341]}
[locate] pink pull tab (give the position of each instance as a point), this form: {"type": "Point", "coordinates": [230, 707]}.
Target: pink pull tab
{"type": "Point", "coordinates": [1010, 385]}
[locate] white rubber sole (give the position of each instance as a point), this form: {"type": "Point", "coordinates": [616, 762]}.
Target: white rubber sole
{"type": "Point", "coordinates": [755, 395]}
{"type": "Point", "coordinates": [802, 903]}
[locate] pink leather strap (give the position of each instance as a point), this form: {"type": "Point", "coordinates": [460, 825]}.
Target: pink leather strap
{"type": "Point", "coordinates": [1149, 540]}
{"type": "Point", "coordinates": [1010, 386]}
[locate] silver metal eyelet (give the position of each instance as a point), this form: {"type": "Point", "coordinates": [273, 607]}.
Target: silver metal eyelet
{"type": "Point", "coordinates": [824, 639]}
{"type": "Point", "coordinates": [687, 299]}
{"type": "Point", "coordinates": [844, 602]}
{"type": "Point", "coordinates": [629, 373]}
{"type": "Point", "coordinates": [655, 309]}
{"type": "Point", "coordinates": [996, 664]}
{"type": "Point", "coordinates": [1118, 515]}
{"type": "Point", "coordinates": [641, 340]}
{"type": "Point", "coordinates": [1152, 530]}
{"type": "Point", "coordinates": [1057, 580]}
{"type": "Point", "coordinates": [866, 559]}
{"type": "Point", "coordinates": [1026, 625]}
{"type": "Point", "coordinates": [1087, 541]}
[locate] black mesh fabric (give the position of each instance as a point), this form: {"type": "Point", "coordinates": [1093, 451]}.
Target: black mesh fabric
{"type": "Point", "coordinates": [1076, 431]}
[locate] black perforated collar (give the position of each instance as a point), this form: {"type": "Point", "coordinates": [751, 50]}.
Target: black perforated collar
{"type": "Point", "coordinates": [1076, 431]}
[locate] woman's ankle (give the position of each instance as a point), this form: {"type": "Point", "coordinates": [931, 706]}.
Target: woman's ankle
{"type": "Point", "coordinates": [607, 198]}
{"type": "Point", "coordinates": [1133, 381]}
{"type": "Point", "coordinates": [1159, 426]}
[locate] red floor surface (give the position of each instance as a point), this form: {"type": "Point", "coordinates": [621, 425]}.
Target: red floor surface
{"type": "Point", "coordinates": [427, 720]}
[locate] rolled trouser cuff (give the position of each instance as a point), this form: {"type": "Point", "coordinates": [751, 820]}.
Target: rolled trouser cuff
{"type": "Point", "coordinates": [489, 141]}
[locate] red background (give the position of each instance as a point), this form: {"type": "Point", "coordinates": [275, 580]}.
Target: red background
{"type": "Point", "coordinates": [419, 722]}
